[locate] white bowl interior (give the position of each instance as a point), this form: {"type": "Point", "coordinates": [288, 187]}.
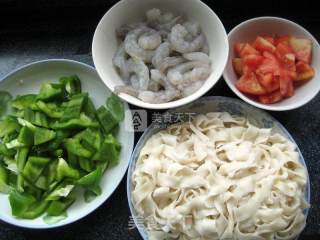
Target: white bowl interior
{"type": "Point", "coordinates": [128, 11]}
{"type": "Point", "coordinates": [50, 71]}
{"type": "Point", "coordinates": [247, 32]}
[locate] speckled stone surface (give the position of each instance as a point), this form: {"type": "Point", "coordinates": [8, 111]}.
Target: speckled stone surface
{"type": "Point", "coordinates": [38, 29]}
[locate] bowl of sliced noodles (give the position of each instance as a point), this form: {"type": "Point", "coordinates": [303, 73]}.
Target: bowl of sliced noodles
{"type": "Point", "coordinates": [221, 170]}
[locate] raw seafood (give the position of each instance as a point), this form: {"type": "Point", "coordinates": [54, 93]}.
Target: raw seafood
{"type": "Point", "coordinates": [162, 59]}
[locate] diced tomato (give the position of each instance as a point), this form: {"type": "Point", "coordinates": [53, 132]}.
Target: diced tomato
{"type": "Point", "coordinates": [269, 82]}
{"type": "Point", "coordinates": [271, 97]}
{"type": "Point", "coordinates": [269, 39]}
{"type": "Point", "coordinates": [302, 48]}
{"type": "Point", "coordinates": [248, 49]}
{"type": "Point", "coordinates": [283, 39]}
{"type": "Point", "coordinates": [252, 60]}
{"type": "Point", "coordinates": [283, 49]}
{"type": "Point", "coordinates": [286, 84]}
{"type": "Point", "coordinates": [247, 69]}
{"type": "Point", "coordinates": [238, 66]}
{"type": "Point", "coordinates": [304, 71]}
{"type": "Point", "coordinates": [237, 48]}
{"type": "Point", "coordinates": [286, 57]}
{"type": "Point", "coordinates": [263, 45]}
{"type": "Point", "coordinates": [270, 64]}
{"type": "Point", "coordinates": [248, 83]}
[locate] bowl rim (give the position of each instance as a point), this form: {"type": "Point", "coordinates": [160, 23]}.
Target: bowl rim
{"type": "Point", "coordinates": [203, 100]}
{"type": "Point", "coordinates": [15, 222]}
{"type": "Point", "coordinates": [269, 107]}
{"type": "Point", "coordinates": [173, 104]}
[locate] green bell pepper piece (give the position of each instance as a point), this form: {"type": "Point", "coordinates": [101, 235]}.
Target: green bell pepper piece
{"type": "Point", "coordinates": [25, 136]}
{"type": "Point", "coordinates": [115, 106]}
{"type": "Point", "coordinates": [72, 84]}
{"type": "Point", "coordinates": [42, 135]}
{"type": "Point", "coordinates": [73, 107]}
{"type": "Point", "coordinates": [57, 208]}
{"type": "Point", "coordinates": [89, 109]}
{"type": "Point", "coordinates": [92, 178]}
{"type": "Point", "coordinates": [8, 126]}
{"type": "Point", "coordinates": [106, 119]}
{"type": "Point", "coordinates": [35, 210]}
{"type": "Point", "coordinates": [50, 109]}
{"type": "Point", "coordinates": [64, 170]}
{"type": "Point", "coordinates": [4, 151]}
{"type": "Point", "coordinates": [49, 91]}
{"type": "Point", "coordinates": [25, 101]}
{"type": "Point", "coordinates": [36, 118]}
{"type": "Point", "coordinates": [85, 164]}
{"type": "Point", "coordinates": [21, 159]}
{"type": "Point", "coordinates": [74, 146]}
{"type": "Point", "coordinates": [20, 202]}
{"type": "Point", "coordinates": [61, 191]}
{"type": "Point", "coordinates": [34, 167]}
{"type": "Point", "coordinates": [4, 180]}
{"type": "Point", "coordinates": [110, 150]}
{"type": "Point", "coordinates": [80, 123]}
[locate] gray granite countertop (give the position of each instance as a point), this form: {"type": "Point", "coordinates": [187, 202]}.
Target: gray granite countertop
{"type": "Point", "coordinates": [64, 29]}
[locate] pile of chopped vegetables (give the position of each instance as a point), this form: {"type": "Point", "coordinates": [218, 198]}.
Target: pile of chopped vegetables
{"type": "Point", "coordinates": [52, 143]}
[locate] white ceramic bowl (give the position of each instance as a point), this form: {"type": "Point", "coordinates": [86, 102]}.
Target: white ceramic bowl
{"type": "Point", "coordinates": [128, 11]}
{"type": "Point", "coordinates": [247, 32]}
{"type": "Point", "coordinates": [201, 106]}
{"type": "Point", "coordinates": [32, 76]}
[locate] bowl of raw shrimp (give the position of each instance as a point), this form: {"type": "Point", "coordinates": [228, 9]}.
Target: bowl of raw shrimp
{"type": "Point", "coordinates": [160, 54]}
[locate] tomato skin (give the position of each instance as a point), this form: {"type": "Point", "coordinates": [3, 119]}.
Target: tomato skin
{"type": "Point", "coordinates": [302, 48]}
{"type": "Point", "coordinates": [237, 64]}
{"type": "Point", "coordinates": [286, 84]}
{"type": "Point", "coordinates": [283, 49]}
{"type": "Point", "coordinates": [268, 81]}
{"type": "Point", "coordinates": [252, 60]}
{"type": "Point", "coordinates": [237, 48]}
{"type": "Point", "coordinates": [249, 84]}
{"type": "Point", "coordinates": [263, 45]}
{"type": "Point", "coordinates": [304, 71]}
{"type": "Point", "coordinates": [270, 39]}
{"type": "Point", "coordinates": [270, 97]}
{"type": "Point", "coordinates": [270, 64]}
{"type": "Point", "coordinates": [248, 49]}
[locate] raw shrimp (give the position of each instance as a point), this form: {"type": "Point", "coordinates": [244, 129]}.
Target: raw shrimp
{"type": "Point", "coordinates": [157, 76]}
{"type": "Point", "coordinates": [150, 40]}
{"type": "Point", "coordinates": [153, 15]}
{"type": "Point", "coordinates": [195, 75]}
{"type": "Point", "coordinates": [120, 61]}
{"type": "Point", "coordinates": [197, 56]}
{"type": "Point", "coordinates": [123, 30]}
{"type": "Point", "coordinates": [175, 75]}
{"type": "Point", "coordinates": [163, 58]}
{"type": "Point", "coordinates": [126, 89]}
{"type": "Point", "coordinates": [169, 62]}
{"type": "Point", "coordinates": [161, 52]}
{"type": "Point", "coordinates": [191, 88]}
{"type": "Point", "coordinates": [192, 28]}
{"type": "Point", "coordinates": [142, 72]}
{"type": "Point", "coordinates": [161, 96]}
{"type": "Point", "coordinates": [134, 80]}
{"type": "Point", "coordinates": [134, 49]}
{"type": "Point", "coordinates": [176, 37]}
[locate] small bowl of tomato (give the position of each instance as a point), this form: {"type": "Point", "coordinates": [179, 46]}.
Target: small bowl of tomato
{"type": "Point", "coordinates": [273, 63]}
